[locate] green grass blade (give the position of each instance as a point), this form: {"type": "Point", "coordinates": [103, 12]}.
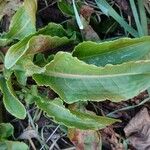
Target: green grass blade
{"type": "Point", "coordinates": [108, 10]}
{"type": "Point", "coordinates": [79, 22]}
{"type": "Point", "coordinates": [143, 17]}
{"type": "Point", "coordinates": [136, 18]}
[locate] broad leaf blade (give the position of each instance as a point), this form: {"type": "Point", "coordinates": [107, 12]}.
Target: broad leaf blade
{"type": "Point", "coordinates": [12, 145]}
{"type": "Point", "coordinates": [113, 52]}
{"type": "Point", "coordinates": [11, 103]}
{"type": "Point", "coordinates": [65, 8]}
{"type": "Point", "coordinates": [35, 45]}
{"type": "Point", "coordinates": [73, 119]}
{"type": "Point", "coordinates": [53, 36]}
{"type": "Point", "coordinates": [75, 80]}
{"type": "Point", "coordinates": [6, 130]}
{"type": "Point", "coordinates": [31, 8]}
{"type": "Point", "coordinates": [25, 68]}
{"type": "Point", "coordinates": [21, 26]}
{"type": "Point", "coordinates": [15, 52]}
{"type": "Point", "coordinates": [23, 22]}
{"type": "Point", "coordinates": [54, 29]}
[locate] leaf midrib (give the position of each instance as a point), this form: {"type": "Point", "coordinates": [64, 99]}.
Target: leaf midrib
{"type": "Point", "coordinates": [75, 76]}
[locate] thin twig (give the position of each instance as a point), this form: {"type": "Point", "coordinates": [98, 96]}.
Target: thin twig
{"type": "Point", "coordinates": [54, 144]}
{"type": "Point", "coordinates": [71, 148]}
{"type": "Point", "coordinates": [48, 5]}
{"type": "Point", "coordinates": [34, 127]}
{"type": "Point", "coordinates": [129, 107]}
{"type": "Point", "coordinates": [50, 136]}
{"type": "Point", "coordinates": [32, 144]}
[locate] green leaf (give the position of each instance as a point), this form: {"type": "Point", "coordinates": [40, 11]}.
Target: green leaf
{"type": "Point", "coordinates": [15, 52]}
{"type": "Point", "coordinates": [25, 68]}
{"type": "Point", "coordinates": [11, 103]}
{"type": "Point", "coordinates": [6, 130]}
{"type": "Point", "coordinates": [41, 60]}
{"type": "Point", "coordinates": [23, 22]}
{"type": "Point", "coordinates": [113, 52]}
{"type": "Point", "coordinates": [21, 77]}
{"type": "Point", "coordinates": [70, 118]}
{"type": "Point", "coordinates": [35, 45]}
{"type": "Point", "coordinates": [4, 41]}
{"type": "Point", "coordinates": [54, 29]}
{"type": "Point", "coordinates": [11, 145]}
{"type": "Point", "coordinates": [65, 7]}
{"type": "Point", "coordinates": [1, 57]}
{"type": "Point", "coordinates": [74, 80]}
{"type": "Point", "coordinates": [31, 8]}
{"type": "Point", "coordinates": [53, 36]}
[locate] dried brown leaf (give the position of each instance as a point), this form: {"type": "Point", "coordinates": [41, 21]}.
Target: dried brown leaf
{"type": "Point", "coordinates": [89, 34]}
{"type": "Point", "coordinates": [138, 130]}
{"type": "Point", "coordinates": [111, 138]}
{"type": "Point", "coordinates": [8, 7]}
{"type": "Point", "coordinates": [86, 12]}
{"type": "Point", "coordinates": [28, 134]}
{"type": "Point", "coordinates": [85, 140]}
